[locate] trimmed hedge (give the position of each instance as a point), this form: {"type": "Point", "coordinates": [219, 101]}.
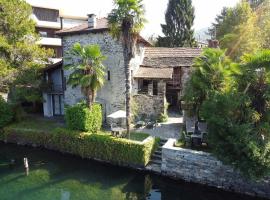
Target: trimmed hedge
{"type": "Point", "coordinates": [6, 113]}
{"type": "Point", "coordinates": [95, 146]}
{"type": "Point", "coordinates": [80, 117]}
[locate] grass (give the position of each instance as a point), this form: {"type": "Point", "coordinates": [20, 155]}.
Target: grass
{"type": "Point", "coordinates": [40, 124]}
{"type": "Point", "coordinates": [138, 136]}
{"type": "Point", "coordinates": [36, 124]}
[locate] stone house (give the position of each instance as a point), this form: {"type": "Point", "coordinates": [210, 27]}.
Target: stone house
{"type": "Point", "coordinates": [157, 74]}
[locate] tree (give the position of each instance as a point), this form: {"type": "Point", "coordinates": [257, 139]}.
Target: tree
{"type": "Point", "coordinates": [87, 70]}
{"type": "Point", "coordinates": [126, 21]}
{"type": "Point", "coordinates": [178, 30]}
{"type": "Point", "coordinates": [212, 31]}
{"type": "Point", "coordinates": [237, 30]}
{"type": "Point", "coordinates": [211, 72]}
{"type": "Point", "coordinates": [238, 120]}
{"type": "Point", "coordinates": [19, 52]}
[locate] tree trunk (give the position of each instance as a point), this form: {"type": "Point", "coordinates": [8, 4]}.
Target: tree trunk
{"type": "Point", "coordinates": [128, 53]}
{"type": "Point", "coordinates": [88, 96]}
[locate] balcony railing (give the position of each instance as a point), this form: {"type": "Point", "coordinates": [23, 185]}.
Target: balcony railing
{"type": "Point", "coordinates": [52, 88]}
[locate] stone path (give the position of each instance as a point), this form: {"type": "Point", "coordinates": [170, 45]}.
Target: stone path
{"type": "Point", "coordinates": [166, 130]}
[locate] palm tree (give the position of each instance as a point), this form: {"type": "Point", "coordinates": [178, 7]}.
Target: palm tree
{"type": "Point", "coordinates": [87, 70]}
{"type": "Point", "coordinates": [126, 21]}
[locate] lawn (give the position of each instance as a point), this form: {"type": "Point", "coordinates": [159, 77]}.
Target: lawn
{"type": "Point", "coordinates": [41, 124]}
{"type": "Point", "coordinates": [138, 136]}
{"type": "Point", "coordinates": [37, 123]}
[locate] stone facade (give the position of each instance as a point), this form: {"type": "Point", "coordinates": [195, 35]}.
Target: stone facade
{"type": "Point", "coordinates": [112, 94]}
{"type": "Point", "coordinates": [151, 105]}
{"type": "Point", "coordinates": [203, 168]}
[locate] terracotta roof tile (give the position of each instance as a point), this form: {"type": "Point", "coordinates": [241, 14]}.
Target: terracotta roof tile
{"type": "Point", "coordinates": [154, 73]}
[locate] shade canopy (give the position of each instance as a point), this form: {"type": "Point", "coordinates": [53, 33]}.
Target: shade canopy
{"type": "Point", "coordinates": [118, 114]}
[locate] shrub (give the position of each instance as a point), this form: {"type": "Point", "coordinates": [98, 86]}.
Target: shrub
{"type": "Point", "coordinates": [96, 146]}
{"type": "Point", "coordinates": [233, 136]}
{"type": "Point", "coordinates": [6, 113]}
{"type": "Point", "coordinates": [80, 117]}
{"type": "Point", "coordinates": [163, 118]}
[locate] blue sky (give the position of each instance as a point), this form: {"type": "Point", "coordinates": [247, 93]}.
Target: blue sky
{"type": "Point", "coordinates": [205, 10]}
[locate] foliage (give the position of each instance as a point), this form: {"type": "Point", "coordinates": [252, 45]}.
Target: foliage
{"type": "Point", "coordinates": [233, 136]}
{"type": "Point", "coordinates": [162, 118]}
{"type": "Point", "coordinates": [178, 30]}
{"type": "Point", "coordinates": [6, 113]}
{"type": "Point", "coordinates": [237, 30]}
{"type": "Point", "coordinates": [96, 146]}
{"type": "Point", "coordinates": [19, 51]}
{"type": "Point", "coordinates": [234, 99]}
{"type": "Point", "coordinates": [126, 21]}
{"type": "Point", "coordinates": [212, 31]}
{"type": "Point", "coordinates": [80, 117]}
{"type": "Point", "coordinates": [87, 70]}
{"type": "Point", "coordinates": [263, 12]}
{"type": "Point", "coordinates": [211, 72]}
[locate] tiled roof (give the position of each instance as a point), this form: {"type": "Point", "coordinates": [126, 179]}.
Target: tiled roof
{"type": "Point", "coordinates": [154, 73]}
{"type": "Point", "coordinates": [102, 25]}
{"type": "Point", "coordinates": [170, 57]}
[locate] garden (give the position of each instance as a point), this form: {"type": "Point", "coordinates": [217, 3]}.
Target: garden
{"type": "Point", "coordinates": [81, 136]}
{"type": "Point", "coordinates": [233, 99]}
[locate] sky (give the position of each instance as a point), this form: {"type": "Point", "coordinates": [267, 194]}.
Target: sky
{"type": "Point", "coordinates": [205, 10]}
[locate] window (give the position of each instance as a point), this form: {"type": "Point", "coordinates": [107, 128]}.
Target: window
{"type": "Point", "coordinates": [43, 34]}
{"type": "Point", "coordinates": [155, 88]}
{"type": "Point", "coordinates": [109, 75]}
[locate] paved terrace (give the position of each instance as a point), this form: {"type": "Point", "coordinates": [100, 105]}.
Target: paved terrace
{"type": "Point", "coordinates": [166, 130]}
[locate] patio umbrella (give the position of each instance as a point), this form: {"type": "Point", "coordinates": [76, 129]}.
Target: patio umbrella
{"type": "Point", "coordinates": [118, 114]}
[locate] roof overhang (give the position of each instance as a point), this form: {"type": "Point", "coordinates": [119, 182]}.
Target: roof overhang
{"type": "Point", "coordinates": [53, 66]}
{"type": "Point", "coordinates": [154, 73]}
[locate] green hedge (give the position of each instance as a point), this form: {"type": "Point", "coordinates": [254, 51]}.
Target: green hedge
{"type": "Point", "coordinates": [6, 113]}
{"type": "Point", "coordinates": [80, 117]}
{"type": "Point", "coordinates": [96, 146]}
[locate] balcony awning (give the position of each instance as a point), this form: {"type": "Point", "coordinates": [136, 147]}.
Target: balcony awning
{"type": "Point", "coordinates": [154, 73]}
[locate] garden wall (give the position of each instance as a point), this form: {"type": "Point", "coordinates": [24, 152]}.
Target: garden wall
{"type": "Point", "coordinates": [203, 168]}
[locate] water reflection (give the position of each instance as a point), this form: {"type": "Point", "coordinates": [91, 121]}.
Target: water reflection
{"type": "Point", "coordinates": [54, 176]}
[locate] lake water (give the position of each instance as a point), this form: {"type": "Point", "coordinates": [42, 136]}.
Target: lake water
{"type": "Point", "coordinates": [54, 176]}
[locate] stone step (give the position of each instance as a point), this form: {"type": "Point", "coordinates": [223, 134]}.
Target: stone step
{"type": "Point", "coordinates": [158, 153]}
{"type": "Point", "coordinates": [158, 162]}
{"type": "Point", "coordinates": [156, 157]}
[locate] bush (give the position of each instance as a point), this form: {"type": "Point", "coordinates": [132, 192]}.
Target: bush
{"type": "Point", "coordinates": [6, 113]}
{"type": "Point", "coordinates": [80, 117]}
{"type": "Point", "coordinates": [236, 136]}
{"type": "Point", "coordinates": [96, 146]}
{"type": "Point", "coordinates": [162, 118]}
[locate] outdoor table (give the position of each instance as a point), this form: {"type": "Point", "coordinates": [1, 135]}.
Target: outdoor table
{"type": "Point", "coordinates": [118, 131]}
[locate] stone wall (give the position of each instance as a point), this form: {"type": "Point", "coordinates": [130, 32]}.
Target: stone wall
{"type": "Point", "coordinates": [151, 105]}
{"type": "Point", "coordinates": [112, 94]}
{"type": "Point", "coordinates": [203, 168]}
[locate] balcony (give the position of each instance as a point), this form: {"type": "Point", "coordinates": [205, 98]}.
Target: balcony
{"type": "Point", "coordinates": [52, 88]}
{"type": "Point", "coordinates": [46, 41]}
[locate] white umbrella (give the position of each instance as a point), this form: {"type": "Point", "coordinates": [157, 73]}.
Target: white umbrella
{"type": "Point", "coordinates": [118, 114]}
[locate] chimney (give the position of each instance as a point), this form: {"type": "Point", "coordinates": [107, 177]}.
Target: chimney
{"type": "Point", "coordinates": [92, 21]}
{"type": "Point", "coordinates": [213, 43]}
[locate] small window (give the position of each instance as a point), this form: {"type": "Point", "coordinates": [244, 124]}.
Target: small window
{"type": "Point", "coordinates": [109, 75]}
{"type": "Point", "coordinates": [155, 88]}
{"type": "Point", "coordinates": [43, 34]}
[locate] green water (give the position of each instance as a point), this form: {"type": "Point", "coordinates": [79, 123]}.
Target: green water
{"type": "Point", "coordinates": [54, 176]}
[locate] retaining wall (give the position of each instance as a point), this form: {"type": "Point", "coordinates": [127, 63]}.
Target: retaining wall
{"type": "Point", "coordinates": [203, 168]}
